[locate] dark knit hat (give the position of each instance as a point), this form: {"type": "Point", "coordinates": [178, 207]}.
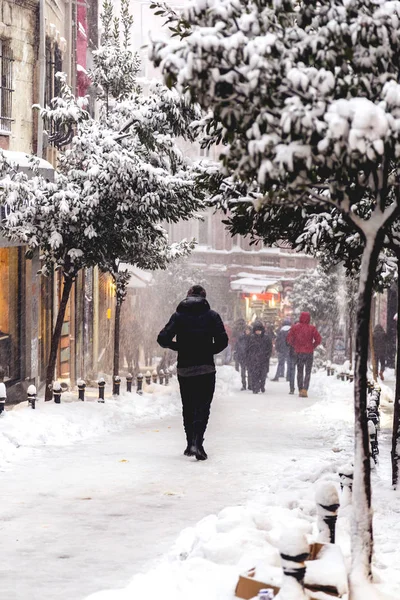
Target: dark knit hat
{"type": "Point", "coordinates": [197, 290]}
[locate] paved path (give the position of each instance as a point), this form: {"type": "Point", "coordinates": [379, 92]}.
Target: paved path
{"type": "Point", "coordinates": [86, 517]}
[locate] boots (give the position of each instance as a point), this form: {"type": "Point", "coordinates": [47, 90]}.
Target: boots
{"type": "Point", "coordinates": [197, 449]}
{"type": "Point", "coordinates": [189, 437]}
{"type": "Point", "coordinates": [188, 451]}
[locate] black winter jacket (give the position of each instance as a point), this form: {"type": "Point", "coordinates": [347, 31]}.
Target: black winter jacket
{"type": "Point", "coordinates": [241, 348]}
{"type": "Point", "coordinates": [281, 345]}
{"type": "Point", "coordinates": [259, 351]}
{"type": "Point", "coordinates": [199, 333]}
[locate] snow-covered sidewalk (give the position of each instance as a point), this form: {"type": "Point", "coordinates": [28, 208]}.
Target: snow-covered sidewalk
{"type": "Point", "coordinates": [88, 516]}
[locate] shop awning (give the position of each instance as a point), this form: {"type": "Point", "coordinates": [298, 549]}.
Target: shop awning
{"type": "Point", "coordinates": [21, 162]}
{"type": "Point", "coordinates": [139, 279]}
{"type": "Point", "coordinates": [253, 284]}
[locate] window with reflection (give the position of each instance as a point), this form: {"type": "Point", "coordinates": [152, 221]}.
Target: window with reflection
{"type": "Point", "coordinates": [9, 313]}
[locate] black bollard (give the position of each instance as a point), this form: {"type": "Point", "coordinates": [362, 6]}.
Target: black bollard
{"type": "Point", "coordinates": [102, 384]}
{"type": "Point", "coordinates": [3, 397]}
{"type": "Point", "coordinates": [167, 376]}
{"type": "Point", "coordinates": [327, 500]}
{"type": "Point", "coordinates": [294, 550]}
{"type": "Point", "coordinates": [116, 385]}
{"type": "Point", "coordinates": [161, 376]}
{"type": "Point", "coordinates": [81, 389]}
{"type": "Point", "coordinates": [31, 392]}
{"type": "Point", "coordinates": [346, 484]}
{"type": "Point", "coordinates": [148, 377]}
{"type": "Point", "coordinates": [129, 379]}
{"type": "Point", "coordinates": [139, 383]}
{"type": "Point", "coordinates": [373, 441]}
{"type": "Point", "coordinates": [57, 391]}
{"type": "Point", "coordinates": [154, 376]}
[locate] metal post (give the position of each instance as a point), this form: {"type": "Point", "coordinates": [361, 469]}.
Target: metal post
{"type": "Point", "coordinates": [116, 385]}
{"type": "Point", "coordinates": [31, 392]}
{"type": "Point", "coordinates": [102, 384]}
{"type": "Point", "coordinates": [327, 499]}
{"type": "Point", "coordinates": [139, 382]}
{"type": "Point", "coordinates": [161, 376]}
{"type": "Point", "coordinates": [294, 550]}
{"type": "Point", "coordinates": [57, 391]}
{"type": "Point", "coordinates": [373, 441]}
{"type": "Point", "coordinates": [346, 484]}
{"type": "Point", "coordinates": [154, 376]}
{"type": "Point", "coordinates": [129, 379]}
{"type": "Point", "coordinates": [167, 376]}
{"type": "Point", "coordinates": [148, 377]}
{"type": "Point", "coordinates": [3, 397]}
{"type": "Point", "coordinates": [81, 389]}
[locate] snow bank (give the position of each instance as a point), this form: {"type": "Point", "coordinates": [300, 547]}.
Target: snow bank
{"type": "Point", "coordinates": [22, 428]}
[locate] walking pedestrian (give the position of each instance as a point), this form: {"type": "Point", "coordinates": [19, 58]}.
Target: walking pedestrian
{"type": "Point", "coordinates": [238, 330]}
{"type": "Point", "coordinates": [282, 350]}
{"type": "Point", "coordinates": [304, 338]}
{"type": "Point", "coordinates": [258, 355]}
{"type": "Point", "coordinates": [241, 357]}
{"type": "Point", "coordinates": [291, 368]}
{"type": "Point", "coordinates": [379, 340]}
{"type": "Point", "coordinates": [197, 333]}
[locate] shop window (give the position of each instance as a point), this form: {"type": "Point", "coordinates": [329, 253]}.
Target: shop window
{"type": "Point", "coordinates": [52, 83]}
{"type": "Point", "coordinates": [6, 89]}
{"type": "Point", "coordinates": [10, 308]}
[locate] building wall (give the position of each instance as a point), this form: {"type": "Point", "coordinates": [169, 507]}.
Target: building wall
{"type": "Point", "coordinates": [18, 27]}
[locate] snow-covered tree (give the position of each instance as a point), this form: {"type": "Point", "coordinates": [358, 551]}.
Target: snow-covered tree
{"type": "Point", "coordinates": [306, 100]}
{"type": "Point", "coordinates": [113, 189]}
{"type": "Point", "coordinates": [317, 293]}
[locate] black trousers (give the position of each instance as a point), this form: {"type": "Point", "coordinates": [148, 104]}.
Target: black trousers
{"type": "Point", "coordinates": [244, 371]}
{"type": "Point", "coordinates": [304, 362]}
{"type": "Point", "coordinates": [197, 393]}
{"type": "Point", "coordinates": [291, 371]}
{"type": "Point", "coordinates": [258, 375]}
{"type": "Point", "coordinates": [380, 362]}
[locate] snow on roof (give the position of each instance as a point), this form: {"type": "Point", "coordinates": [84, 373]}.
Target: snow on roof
{"type": "Point", "coordinates": [22, 159]}
{"type": "Point", "coordinates": [139, 278]}
{"type": "Point", "coordinates": [252, 285]}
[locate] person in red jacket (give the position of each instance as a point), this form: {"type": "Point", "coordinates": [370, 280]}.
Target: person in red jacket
{"type": "Point", "coordinates": [304, 338]}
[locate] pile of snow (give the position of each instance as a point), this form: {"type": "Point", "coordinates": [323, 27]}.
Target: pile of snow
{"type": "Point", "coordinates": [22, 428]}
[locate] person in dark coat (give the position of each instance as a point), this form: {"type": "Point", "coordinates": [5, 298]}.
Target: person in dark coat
{"type": "Point", "coordinates": [379, 340]}
{"type": "Point", "coordinates": [258, 354]}
{"type": "Point", "coordinates": [241, 356]}
{"type": "Point", "coordinates": [282, 350]}
{"type": "Point", "coordinates": [304, 338]}
{"type": "Point", "coordinates": [197, 333]}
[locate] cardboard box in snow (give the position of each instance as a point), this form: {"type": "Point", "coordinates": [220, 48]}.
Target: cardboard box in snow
{"type": "Point", "coordinates": [326, 576]}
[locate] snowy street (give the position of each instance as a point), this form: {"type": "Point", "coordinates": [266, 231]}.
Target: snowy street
{"type": "Point", "coordinates": [86, 517]}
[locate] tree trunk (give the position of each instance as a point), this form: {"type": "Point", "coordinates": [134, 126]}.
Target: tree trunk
{"type": "Point", "coordinates": [117, 327]}
{"type": "Point", "coordinates": [372, 352]}
{"type": "Point", "coordinates": [396, 409]}
{"type": "Point", "coordinates": [55, 338]}
{"type": "Point", "coordinates": [362, 535]}
{"type": "Point", "coordinates": [351, 338]}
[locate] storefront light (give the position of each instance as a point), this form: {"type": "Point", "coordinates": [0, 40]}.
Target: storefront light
{"type": "Point", "coordinates": [254, 297]}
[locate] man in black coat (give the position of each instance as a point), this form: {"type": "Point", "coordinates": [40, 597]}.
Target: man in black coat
{"type": "Point", "coordinates": [241, 356]}
{"type": "Point", "coordinates": [258, 354]}
{"type": "Point", "coordinates": [199, 334]}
